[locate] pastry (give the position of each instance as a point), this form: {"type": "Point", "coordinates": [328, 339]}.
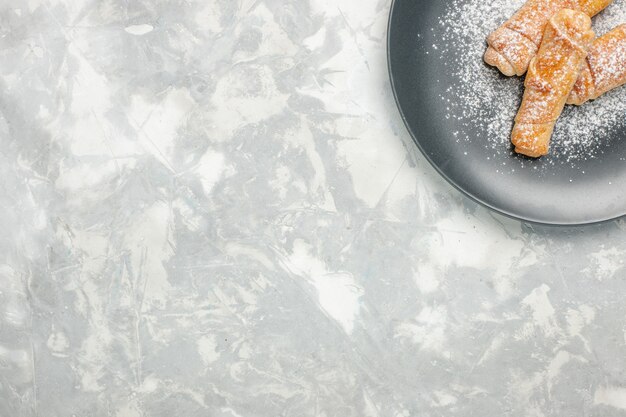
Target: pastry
{"type": "Point", "coordinates": [605, 68]}
{"type": "Point", "coordinates": [550, 79]}
{"type": "Point", "coordinates": [515, 43]}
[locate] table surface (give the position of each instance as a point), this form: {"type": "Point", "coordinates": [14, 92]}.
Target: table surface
{"type": "Point", "coordinates": [212, 208]}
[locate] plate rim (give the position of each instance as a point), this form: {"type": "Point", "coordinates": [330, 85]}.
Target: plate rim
{"type": "Point", "coordinates": [450, 181]}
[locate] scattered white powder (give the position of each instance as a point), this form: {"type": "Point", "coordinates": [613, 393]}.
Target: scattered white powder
{"type": "Point", "coordinates": [481, 99]}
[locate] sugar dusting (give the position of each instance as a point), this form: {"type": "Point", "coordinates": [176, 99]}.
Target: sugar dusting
{"type": "Point", "coordinates": [606, 66]}
{"type": "Point", "coordinates": [480, 99]}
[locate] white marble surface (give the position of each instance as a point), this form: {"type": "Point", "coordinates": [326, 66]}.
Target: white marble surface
{"type": "Point", "coordinates": [212, 208]}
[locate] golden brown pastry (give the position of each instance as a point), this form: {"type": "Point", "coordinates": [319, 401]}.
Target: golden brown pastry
{"type": "Point", "coordinates": [515, 43]}
{"type": "Point", "coordinates": [551, 76]}
{"type": "Point", "coordinates": [605, 68]}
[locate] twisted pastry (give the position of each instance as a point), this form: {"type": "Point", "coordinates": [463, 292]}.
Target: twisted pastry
{"type": "Point", "coordinates": [605, 68]}
{"type": "Point", "coordinates": [551, 76]}
{"type": "Point", "coordinates": [515, 43]}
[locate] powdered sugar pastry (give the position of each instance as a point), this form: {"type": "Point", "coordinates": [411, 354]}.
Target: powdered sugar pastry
{"type": "Point", "coordinates": [482, 100]}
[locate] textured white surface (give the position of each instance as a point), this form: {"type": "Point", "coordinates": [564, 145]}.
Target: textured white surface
{"type": "Point", "coordinates": [212, 208]}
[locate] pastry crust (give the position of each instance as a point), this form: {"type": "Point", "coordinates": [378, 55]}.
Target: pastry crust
{"type": "Point", "coordinates": [605, 68]}
{"type": "Point", "coordinates": [551, 76]}
{"type": "Point", "coordinates": [513, 45]}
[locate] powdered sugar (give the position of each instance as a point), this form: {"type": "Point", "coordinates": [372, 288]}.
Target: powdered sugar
{"type": "Point", "coordinates": [482, 100]}
{"type": "Point", "coordinates": [606, 66]}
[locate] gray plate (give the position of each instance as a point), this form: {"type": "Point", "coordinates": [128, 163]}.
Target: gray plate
{"type": "Point", "coordinates": [545, 190]}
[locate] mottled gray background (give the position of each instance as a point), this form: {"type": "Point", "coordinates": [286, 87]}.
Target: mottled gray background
{"type": "Point", "coordinates": [211, 208]}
